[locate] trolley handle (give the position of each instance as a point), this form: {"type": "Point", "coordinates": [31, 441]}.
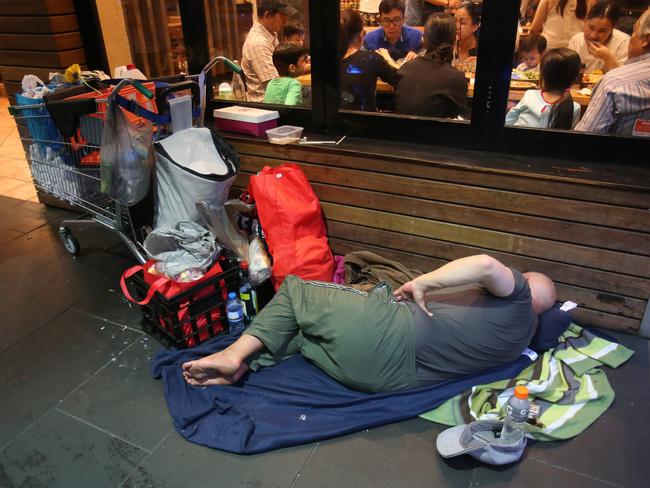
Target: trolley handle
{"type": "Point", "coordinates": [233, 66]}
{"type": "Point", "coordinates": [163, 93]}
{"type": "Point", "coordinates": [139, 86]}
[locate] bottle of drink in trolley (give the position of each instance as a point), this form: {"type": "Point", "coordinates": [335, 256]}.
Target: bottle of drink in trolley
{"type": "Point", "coordinates": [238, 87]}
{"type": "Point", "coordinates": [235, 312]}
{"type": "Point", "coordinates": [517, 408]}
{"type": "Point", "coordinates": [247, 293]}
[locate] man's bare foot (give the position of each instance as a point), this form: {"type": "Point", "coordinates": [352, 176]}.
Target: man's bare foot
{"type": "Point", "coordinates": [217, 369]}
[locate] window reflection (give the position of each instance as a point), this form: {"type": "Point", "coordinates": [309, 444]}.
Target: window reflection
{"type": "Point", "coordinates": [610, 93]}
{"type": "Point", "coordinates": [419, 58]}
{"type": "Point", "coordinates": [270, 41]}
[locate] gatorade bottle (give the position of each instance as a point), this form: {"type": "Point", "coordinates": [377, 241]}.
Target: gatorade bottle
{"type": "Point", "coordinates": [514, 426]}
{"type": "Point", "coordinates": [247, 293]}
{"type": "Point", "coordinates": [235, 315]}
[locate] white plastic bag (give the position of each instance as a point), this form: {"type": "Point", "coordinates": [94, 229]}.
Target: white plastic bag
{"type": "Point", "coordinates": [126, 156]}
{"type": "Point", "coordinates": [259, 267]}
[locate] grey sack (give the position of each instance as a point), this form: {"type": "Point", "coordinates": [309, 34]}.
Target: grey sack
{"type": "Point", "coordinates": [192, 165]}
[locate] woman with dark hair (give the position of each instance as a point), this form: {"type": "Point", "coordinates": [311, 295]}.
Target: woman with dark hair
{"type": "Point", "coordinates": [468, 23]}
{"type": "Point", "coordinates": [600, 45]}
{"type": "Point", "coordinates": [360, 69]}
{"type": "Point", "coordinates": [428, 85]}
{"type": "Point", "coordinates": [559, 20]}
{"type": "Point", "coordinates": [552, 106]}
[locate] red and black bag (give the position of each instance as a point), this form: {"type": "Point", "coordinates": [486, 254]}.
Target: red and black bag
{"type": "Point", "coordinates": [185, 313]}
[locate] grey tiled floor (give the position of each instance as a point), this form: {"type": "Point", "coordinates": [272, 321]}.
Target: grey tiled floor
{"type": "Point", "coordinates": [79, 409]}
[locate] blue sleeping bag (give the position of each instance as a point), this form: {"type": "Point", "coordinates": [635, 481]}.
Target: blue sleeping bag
{"type": "Point", "coordinates": [291, 403]}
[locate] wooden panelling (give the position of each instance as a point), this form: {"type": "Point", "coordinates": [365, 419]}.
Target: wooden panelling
{"type": "Point", "coordinates": [583, 190]}
{"type": "Point", "coordinates": [39, 25]}
{"type": "Point", "coordinates": [36, 7]}
{"type": "Point", "coordinates": [61, 59]}
{"type": "Point", "coordinates": [589, 232]}
{"type": "Point", "coordinates": [33, 42]}
{"type": "Point", "coordinates": [16, 73]}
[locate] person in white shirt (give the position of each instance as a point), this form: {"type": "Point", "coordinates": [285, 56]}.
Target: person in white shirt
{"type": "Point", "coordinates": [559, 20]}
{"type": "Point", "coordinates": [621, 100]}
{"type": "Point", "coordinates": [600, 46]}
{"type": "Point", "coordinates": [261, 41]}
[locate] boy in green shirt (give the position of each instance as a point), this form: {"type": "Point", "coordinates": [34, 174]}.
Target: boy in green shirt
{"type": "Point", "coordinates": [290, 60]}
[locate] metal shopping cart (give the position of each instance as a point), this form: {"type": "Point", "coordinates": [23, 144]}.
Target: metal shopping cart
{"type": "Point", "coordinates": [68, 168]}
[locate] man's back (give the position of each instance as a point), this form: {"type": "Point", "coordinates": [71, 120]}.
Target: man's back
{"type": "Point", "coordinates": [257, 61]}
{"type": "Point", "coordinates": [472, 330]}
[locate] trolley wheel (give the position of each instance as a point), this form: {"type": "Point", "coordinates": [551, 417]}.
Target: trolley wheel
{"type": "Point", "coordinates": [70, 243]}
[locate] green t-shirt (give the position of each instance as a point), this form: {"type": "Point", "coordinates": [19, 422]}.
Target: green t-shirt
{"type": "Point", "coordinates": [283, 91]}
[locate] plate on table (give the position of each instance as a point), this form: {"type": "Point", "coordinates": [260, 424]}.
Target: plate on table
{"type": "Point", "coordinates": [522, 84]}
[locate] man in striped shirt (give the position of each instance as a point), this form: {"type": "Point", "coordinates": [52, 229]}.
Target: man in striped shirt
{"type": "Point", "coordinates": [261, 41]}
{"type": "Point", "coordinates": [621, 101]}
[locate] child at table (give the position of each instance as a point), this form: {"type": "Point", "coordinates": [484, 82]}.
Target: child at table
{"type": "Point", "coordinates": [290, 60]}
{"type": "Point", "coordinates": [552, 106]}
{"type": "Point", "coordinates": [530, 52]}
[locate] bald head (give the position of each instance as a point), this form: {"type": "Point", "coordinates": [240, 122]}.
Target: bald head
{"type": "Point", "coordinates": [542, 291]}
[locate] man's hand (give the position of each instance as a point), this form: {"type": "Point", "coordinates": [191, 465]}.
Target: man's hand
{"type": "Point", "coordinates": [414, 292]}
{"type": "Point", "coordinates": [410, 55]}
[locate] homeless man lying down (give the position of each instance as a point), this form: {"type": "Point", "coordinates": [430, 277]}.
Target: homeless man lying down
{"type": "Point", "coordinates": [467, 316]}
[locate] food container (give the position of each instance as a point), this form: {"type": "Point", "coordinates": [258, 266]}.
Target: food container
{"type": "Point", "coordinates": [285, 134]}
{"type": "Point", "coordinates": [246, 120]}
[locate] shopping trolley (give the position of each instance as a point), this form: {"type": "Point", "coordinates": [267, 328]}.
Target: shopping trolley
{"type": "Point", "coordinates": [68, 169]}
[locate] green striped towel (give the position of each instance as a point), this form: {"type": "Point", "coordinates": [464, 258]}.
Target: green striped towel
{"type": "Point", "coordinates": [566, 383]}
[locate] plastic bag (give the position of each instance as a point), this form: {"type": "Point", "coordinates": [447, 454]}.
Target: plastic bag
{"type": "Point", "coordinates": [181, 248]}
{"type": "Point", "coordinates": [220, 221]}
{"type": "Point", "coordinates": [126, 156]}
{"type": "Point", "coordinates": [259, 268]}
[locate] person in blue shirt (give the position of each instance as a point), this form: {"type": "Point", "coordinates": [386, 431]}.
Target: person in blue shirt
{"type": "Point", "coordinates": [400, 41]}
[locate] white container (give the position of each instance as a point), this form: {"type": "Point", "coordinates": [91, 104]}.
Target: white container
{"type": "Point", "coordinates": [247, 120]}
{"type": "Point", "coordinates": [285, 134]}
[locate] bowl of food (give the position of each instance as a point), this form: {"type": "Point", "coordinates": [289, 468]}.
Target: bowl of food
{"type": "Point", "coordinates": [285, 134]}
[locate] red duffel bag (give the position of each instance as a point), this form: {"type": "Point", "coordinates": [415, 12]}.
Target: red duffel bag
{"type": "Point", "coordinates": [291, 217]}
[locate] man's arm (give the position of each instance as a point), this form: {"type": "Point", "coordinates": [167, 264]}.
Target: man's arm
{"type": "Point", "coordinates": [482, 269]}
{"type": "Point", "coordinates": [599, 116]}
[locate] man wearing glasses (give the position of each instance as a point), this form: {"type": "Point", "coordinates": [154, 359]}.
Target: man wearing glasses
{"type": "Point", "coordinates": [400, 41]}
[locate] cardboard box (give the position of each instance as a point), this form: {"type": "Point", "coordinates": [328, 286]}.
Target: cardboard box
{"type": "Point", "coordinates": [246, 120]}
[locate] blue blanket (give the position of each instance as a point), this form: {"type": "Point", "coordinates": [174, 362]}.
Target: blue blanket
{"type": "Point", "coordinates": [291, 403]}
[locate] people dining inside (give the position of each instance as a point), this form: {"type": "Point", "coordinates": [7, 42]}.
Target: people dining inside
{"type": "Point", "coordinates": [559, 20]}
{"type": "Point", "coordinates": [530, 52]}
{"type": "Point", "coordinates": [261, 41]}
{"type": "Point", "coordinates": [621, 101]}
{"type": "Point", "coordinates": [401, 42]}
{"type": "Point", "coordinates": [294, 32]}
{"type": "Point", "coordinates": [290, 59]}
{"type": "Point", "coordinates": [600, 45]}
{"type": "Point", "coordinates": [360, 69]}
{"type": "Point", "coordinates": [552, 106]}
{"type": "Point", "coordinates": [428, 85]}
{"type": "Point", "coordinates": [468, 23]}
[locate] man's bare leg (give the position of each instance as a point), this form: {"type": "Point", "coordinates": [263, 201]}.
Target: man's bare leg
{"type": "Point", "coordinates": [224, 367]}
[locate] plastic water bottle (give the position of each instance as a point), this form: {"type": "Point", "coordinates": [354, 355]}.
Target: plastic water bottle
{"type": "Point", "coordinates": [247, 293]}
{"type": "Point", "coordinates": [235, 315]}
{"type": "Point", "coordinates": [237, 84]}
{"type": "Point", "coordinates": [514, 426]}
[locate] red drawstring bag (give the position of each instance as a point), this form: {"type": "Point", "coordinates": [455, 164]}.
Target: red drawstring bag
{"type": "Point", "coordinates": [183, 319]}
{"type": "Point", "coordinates": [293, 224]}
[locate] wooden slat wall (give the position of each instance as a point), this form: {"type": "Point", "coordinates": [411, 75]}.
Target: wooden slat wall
{"type": "Point", "coordinates": [590, 237]}
{"type": "Point", "coordinates": [37, 37]}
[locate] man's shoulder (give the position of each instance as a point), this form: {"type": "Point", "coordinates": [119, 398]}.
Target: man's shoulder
{"type": "Point", "coordinates": [376, 35]}
{"type": "Point", "coordinates": [412, 32]}
{"type": "Point", "coordinates": [632, 72]}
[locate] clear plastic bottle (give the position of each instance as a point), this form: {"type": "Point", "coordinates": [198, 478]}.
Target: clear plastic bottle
{"type": "Point", "coordinates": [237, 84]}
{"type": "Point", "coordinates": [247, 293]}
{"type": "Point", "coordinates": [235, 315]}
{"type": "Point", "coordinates": [517, 408]}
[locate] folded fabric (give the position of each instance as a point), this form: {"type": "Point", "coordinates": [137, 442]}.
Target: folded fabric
{"type": "Point", "coordinates": [565, 383]}
{"type": "Point", "coordinates": [291, 403]}
{"type": "Point", "coordinates": [365, 269]}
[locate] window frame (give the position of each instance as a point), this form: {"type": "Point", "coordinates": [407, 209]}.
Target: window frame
{"type": "Point", "coordinates": [486, 130]}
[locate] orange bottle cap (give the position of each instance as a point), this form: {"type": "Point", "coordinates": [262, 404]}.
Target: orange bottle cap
{"type": "Point", "coordinates": [521, 392]}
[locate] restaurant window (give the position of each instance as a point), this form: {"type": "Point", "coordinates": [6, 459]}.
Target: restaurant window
{"type": "Point", "coordinates": [564, 69]}
{"type": "Point", "coordinates": [271, 46]}
{"type": "Point", "coordinates": [409, 58]}
{"type": "Point", "coordinates": [155, 33]}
